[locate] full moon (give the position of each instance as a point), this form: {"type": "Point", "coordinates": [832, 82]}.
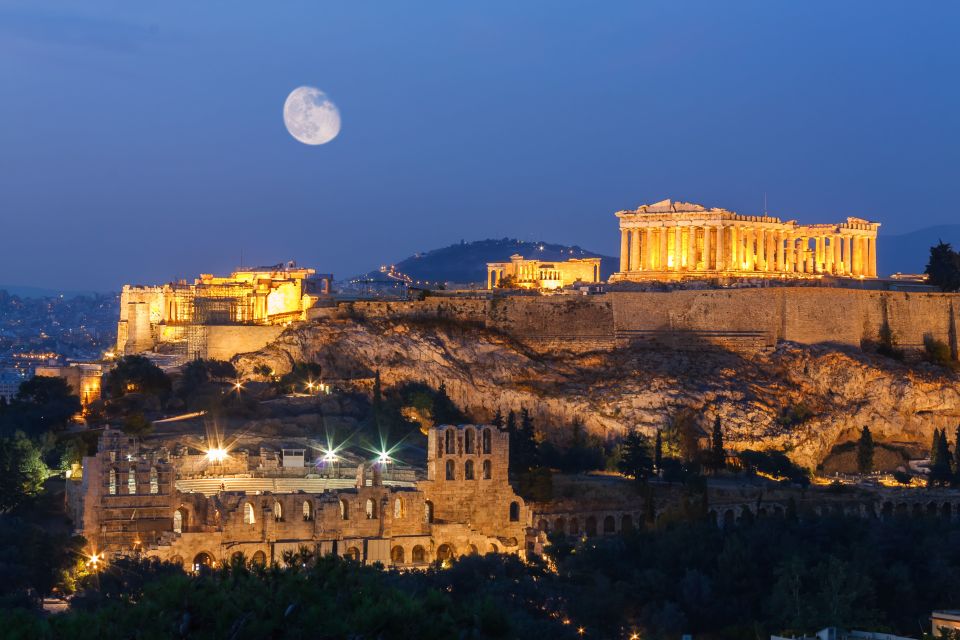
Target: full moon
{"type": "Point", "coordinates": [310, 116]}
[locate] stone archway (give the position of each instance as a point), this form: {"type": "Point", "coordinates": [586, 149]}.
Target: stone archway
{"type": "Point", "coordinates": [445, 552]}
{"type": "Point", "coordinates": [202, 560]}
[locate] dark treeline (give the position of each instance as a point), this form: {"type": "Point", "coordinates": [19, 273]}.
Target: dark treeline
{"type": "Point", "coordinates": [772, 575]}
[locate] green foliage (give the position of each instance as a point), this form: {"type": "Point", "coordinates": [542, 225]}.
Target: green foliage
{"type": "Point", "coordinates": [22, 470]}
{"type": "Point", "coordinates": [941, 472]}
{"type": "Point", "coordinates": [42, 404]}
{"type": "Point", "coordinates": [636, 460]}
{"type": "Point", "coordinates": [299, 376]}
{"type": "Point", "coordinates": [682, 436]}
{"type": "Point", "coordinates": [477, 597]}
{"type": "Point", "coordinates": [773, 463]}
{"type": "Point", "coordinates": [886, 346]}
{"type": "Point", "coordinates": [581, 452]}
{"type": "Point", "coordinates": [135, 374]}
{"type": "Point", "coordinates": [536, 484]}
{"type": "Point", "coordinates": [865, 448]}
{"type": "Point", "coordinates": [943, 267]}
{"type": "Point", "coordinates": [136, 425]}
{"type": "Point", "coordinates": [938, 352]}
{"type": "Point", "coordinates": [718, 453]}
{"type": "Point", "coordinates": [902, 477]}
{"type": "Point", "coordinates": [794, 415]}
{"type": "Point", "coordinates": [524, 452]}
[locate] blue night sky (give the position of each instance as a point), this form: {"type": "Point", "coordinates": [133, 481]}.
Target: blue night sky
{"type": "Point", "coordinates": [140, 142]}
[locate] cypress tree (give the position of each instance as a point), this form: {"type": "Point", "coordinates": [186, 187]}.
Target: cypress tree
{"type": "Point", "coordinates": [718, 453]}
{"type": "Point", "coordinates": [956, 454]}
{"type": "Point", "coordinates": [658, 452]}
{"type": "Point", "coordinates": [497, 419]}
{"type": "Point", "coordinates": [865, 451]}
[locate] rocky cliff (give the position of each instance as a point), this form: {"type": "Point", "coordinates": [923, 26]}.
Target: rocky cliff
{"type": "Point", "coordinates": [804, 399]}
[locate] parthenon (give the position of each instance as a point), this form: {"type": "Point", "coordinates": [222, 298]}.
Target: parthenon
{"type": "Point", "coordinates": [674, 240]}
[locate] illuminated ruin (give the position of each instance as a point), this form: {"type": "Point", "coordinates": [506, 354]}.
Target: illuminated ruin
{"type": "Point", "coordinates": [674, 240]}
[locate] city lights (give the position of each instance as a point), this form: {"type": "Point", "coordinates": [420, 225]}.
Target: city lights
{"type": "Point", "coordinates": [217, 454]}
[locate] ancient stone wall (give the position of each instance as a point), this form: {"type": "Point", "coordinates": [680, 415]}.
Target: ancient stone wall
{"type": "Point", "coordinates": [225, 341]}
{"type": "Point", "coordinates": [738, 319]}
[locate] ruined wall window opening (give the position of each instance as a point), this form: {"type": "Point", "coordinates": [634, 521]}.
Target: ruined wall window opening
{"type": "Point", "coordinates": [113, 482]}
{"type": "Point", "coordinates": [468, 441]}
{"type": "Point", "coordinates": [344, 509]}
{"type": "Point", "coordinates": [451, 470]}
{"type": "Point", "coordinates": [307, 511]}
{"type": "Point", "coordinates": [132, 481]}
{"type": "Point", "coordinates": [277, 511]}
{"type": "Point", "coordinates": [487, 440]}
{"type": "Point", "coordinates": [154, 481]}
{"type": "Point", "coordinates": [398, 508]}
{"type": "Point", "coordinates": [450, 440]}
{"type": "Point", "coordinates": [468, 470]}
{"type": "Point", "coordinates": [248, 515]}
{"type": "Point", "coordinates": [371, 509]}
{"type": "Point", "coordinates": [396, 555]}
{"type": "Point", "coordinates": [487, 471]}
{"type": "Point", "coordinates": [428, 511]}
{"type": "Point", "coordinates": [178, 521]}
{"type": "Point", "coordinates": [514, 512]}
{"type": "Point", "coordinates": [418, 555]}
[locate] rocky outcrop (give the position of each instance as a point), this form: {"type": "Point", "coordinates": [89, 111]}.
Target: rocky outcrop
{"type": "Point", "coordinates": [801, 399]}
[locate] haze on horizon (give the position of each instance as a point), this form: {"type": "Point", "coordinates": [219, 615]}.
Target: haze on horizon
{"type": "Point", "coordinates": [143, 143]}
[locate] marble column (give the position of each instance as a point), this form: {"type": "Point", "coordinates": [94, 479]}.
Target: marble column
{"type": "Point", "coordinates": [720, 262]}
{"type": "Point", "coordinates": [624, 250]}
{"type": "Point", "coordinates": [771, 255]}
{"type": "Point", "coordinates": [872, 257]}
{"type": "Point", "coordinates": [837, 257]}
{"type": "Point", "coordinates": [827, 256]}
{"type": "Point", "coordinates": [677, 247]}
{"type": "Point", "coordinates": [761, 249]}
{"type": "Point", "coordinates": [734, 257]}
{"type": "Point", "coordinates": [635, 250]}
{"type": "Point", "coordinates": [647, 254]}
{"type": "Point", "coordinates": [781, 263]}
{"type": "Point", "coordinates": [706, 247]}
{"type": "Point", "coordinates": [691, 248]}
{"type": "Point", "coordinates": [751, 254]}
{"type": "Point", "coordinates": [662, 258]}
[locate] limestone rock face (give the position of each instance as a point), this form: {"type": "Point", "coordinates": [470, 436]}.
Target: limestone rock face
{"type": "Point", "coordinates": [800, 399]}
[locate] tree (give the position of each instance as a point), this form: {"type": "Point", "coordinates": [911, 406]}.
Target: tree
{"type": "Point", "coordinates": [22, 470]}
{"type": "Point", "coordinates": [658, 452]}
{"type": "Point", "coordinates": [940, 458]}
{"type": "Point", "coordinates": [718, 454]}
{"type": "Point", "coordinates": [136, 425]}
{"type": "Point", "coordinates": [943, 268]}
{"type": "Point", "coordinates": [865, 451]}
{"type": "Point", "coordinates": [444, 410]}
{"type": "Point", "coordinates": [635, 460]}
{"type": "Point", "coordinates": [498, 419]}
{"type": "Point", "coordinates": [523, 443]}
{"type": "Point", "coordinates": [135, 374]}
{"type": "Point", "coordinates": [43, 404]}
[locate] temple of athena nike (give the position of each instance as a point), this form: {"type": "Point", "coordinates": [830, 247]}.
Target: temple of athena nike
{"type": "Point", "coordinates": [676, 240]}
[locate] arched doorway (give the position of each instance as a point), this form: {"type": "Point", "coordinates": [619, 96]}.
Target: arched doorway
{"type": "Point", "coordinates": [177, 560]}
{"type": "Point", "coordinates": [352, 553]}
{"type": "Point", "coordinates": [445, 553]}
{"type": "Point", "coordinates": [472, 550]}
{"type": "Point", "coordinates": [609, 525]}
{"type": "Point", "coordinates": [514, 512]}
{"type": "Point", "coordinates": [396, 555]}
{"type": "Point", "coordinates": [259, 559]}
{"type": "Point", "coordinates": [591, 526]}
{"type": "Point", "coordinates": [202, 560]}
{"type": "Point", "coordinates": [237, 559]}
{"type": "Point", "coordinates": [418, 555]}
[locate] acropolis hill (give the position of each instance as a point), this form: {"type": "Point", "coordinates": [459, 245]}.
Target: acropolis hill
{"type": "Point", "coordinates": [729, 345]}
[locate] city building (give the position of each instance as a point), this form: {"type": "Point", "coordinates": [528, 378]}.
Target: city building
{"type": "Point", "coordinates": [671, 240]}
{"type": "Point", "coordinates": [523, 273]}
{"type": "Point", "coordinates": [207, 507]}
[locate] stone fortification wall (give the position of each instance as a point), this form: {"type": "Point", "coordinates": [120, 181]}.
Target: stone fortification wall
{"type": "Point", "coordinates": [225, 341]}
{"type": "Point", "coordinates": [739, 319]}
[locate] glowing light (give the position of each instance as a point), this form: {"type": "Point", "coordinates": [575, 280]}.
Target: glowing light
{"type": "Point", "coordinates": [330, 455]}
{"type": "Point", "coordinates": [237, 386]}
{"type": "Point", "coordinates": [581, 630]}
{"type": "Point", "coordinates": [217, 454]}
{"type": "Point", "coordinates": [383, 457]}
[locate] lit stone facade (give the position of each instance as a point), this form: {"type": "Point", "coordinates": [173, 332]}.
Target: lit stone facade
{"type": "Point", "coordinates": [675, 240]}
{"type": "Point", "coordinates": [83, 378]}
{"type": "Point", "coordinates": [271, 296]}
{"type": "Point", "coordinates": [539, 274]}
{"type": "Point", "coordinates": [127, 500]}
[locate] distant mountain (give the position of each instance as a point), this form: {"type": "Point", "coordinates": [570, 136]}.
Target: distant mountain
{"type": "Point", "coordinates": [909, 252]}
{"type": "Point", "coordinates": [467, 261]}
